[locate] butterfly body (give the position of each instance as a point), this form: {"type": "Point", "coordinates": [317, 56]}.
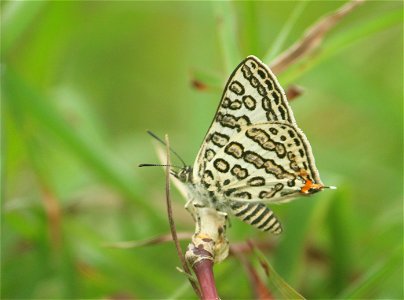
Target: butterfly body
{"type": "Point", "coordinates": [253, 153]}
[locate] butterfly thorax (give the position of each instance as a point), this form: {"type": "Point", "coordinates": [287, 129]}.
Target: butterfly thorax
{"type": "Point", "coordinates": [198, 193]}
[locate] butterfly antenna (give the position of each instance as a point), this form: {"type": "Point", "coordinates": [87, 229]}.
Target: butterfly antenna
{"type": "Point", "coordinates": [171, 149]}
{"type": "Point", "coordinates": [157, 165]}
{"type": "Point", "coordinates": [331, 187]}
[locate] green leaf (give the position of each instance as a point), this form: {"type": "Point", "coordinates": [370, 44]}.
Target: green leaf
{"type": "Point", "coordinates": [278, 284]}
{"type": "Point", "coordinates": [283, 34]}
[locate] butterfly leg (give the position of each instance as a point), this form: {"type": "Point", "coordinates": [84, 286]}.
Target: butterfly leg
{"type": "Point", "coordinates": [192, 207]}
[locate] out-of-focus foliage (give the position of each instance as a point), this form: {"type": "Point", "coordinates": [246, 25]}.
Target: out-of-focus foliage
{"type": "Point", "coordinates": [82, 81]}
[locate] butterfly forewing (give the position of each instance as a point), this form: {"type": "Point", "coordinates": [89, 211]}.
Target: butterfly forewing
{"type": "Point", "coordinates": [252, 95]}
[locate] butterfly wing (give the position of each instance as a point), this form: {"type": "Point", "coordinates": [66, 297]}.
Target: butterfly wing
{"type": "Point", "coordinates": [252, 95]}
{"type": "Point", "coordinates": [253, 151]}
{"type": "Point", "coordinates": [256, 214]}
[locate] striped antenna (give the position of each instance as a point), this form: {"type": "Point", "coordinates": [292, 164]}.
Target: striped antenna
{"type": "Point", "coordinates": [171, 149]}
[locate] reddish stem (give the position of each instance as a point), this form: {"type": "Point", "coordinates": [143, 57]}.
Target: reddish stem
{"type": "Point", "coordinates": [204, 272]}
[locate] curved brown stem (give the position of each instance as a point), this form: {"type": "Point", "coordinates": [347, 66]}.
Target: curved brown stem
{"type": "Point", "coordinates": [312, 38]}
{"type": "Point", "coordinates": [172, 224]}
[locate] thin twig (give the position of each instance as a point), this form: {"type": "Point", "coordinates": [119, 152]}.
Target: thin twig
{"type": "Point", "coordinates": [53, 214]}
{"type": "Point", "coordinates": [149, 242]}
{"type": "Point", "coordinates": [285, 31]}
{"type": "Point", "coordinates": [261, 291]}
{"type": "Point", "coordinates": [244, 248]}
{"type": "Point", "coordinates": [172, 224]}
{"type": "Point", "coordinates": [312, 37]}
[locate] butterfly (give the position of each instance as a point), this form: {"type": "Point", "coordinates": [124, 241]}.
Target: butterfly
{"type": "Point", "coordinates": [253, 153]}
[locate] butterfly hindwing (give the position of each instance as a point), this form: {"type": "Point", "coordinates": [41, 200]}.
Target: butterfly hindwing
{"type": "Point", "coordinates": [257, 215]}
{"type": "Point", "coordinates": [264, 162]}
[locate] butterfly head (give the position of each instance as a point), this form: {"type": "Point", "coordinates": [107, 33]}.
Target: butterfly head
{"type": "Point", "coordinates": [184, 174]}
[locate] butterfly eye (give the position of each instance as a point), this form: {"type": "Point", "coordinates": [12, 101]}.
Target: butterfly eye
{"type": "Point", "coordinates": [182, 175]}
{"type": "Point", "coordinates": [185, 174]}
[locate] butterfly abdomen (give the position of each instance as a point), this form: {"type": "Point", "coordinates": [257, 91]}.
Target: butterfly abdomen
{"type": "Point", "coordinates": [256, 214]}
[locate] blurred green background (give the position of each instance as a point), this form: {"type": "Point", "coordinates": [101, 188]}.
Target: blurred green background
{"type": "Point", "coordinates": [82, 81]}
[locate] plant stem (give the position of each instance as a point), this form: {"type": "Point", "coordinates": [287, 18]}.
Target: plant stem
{"type": "Point", "coordinates": [204, 272]}
{"type": "Point", "coordinates": [172, 223]}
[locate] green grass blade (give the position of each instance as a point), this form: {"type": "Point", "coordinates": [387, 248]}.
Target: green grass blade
{"type": "Point", "coordinates": [180, 291]}
{"type": "Point", "coordinates": [374, 278]}
{"type": "Point", "coordinates": [283, 34]}
{"type": "Point", "coordinates": [289, 255]}
{"type": "Point", "coordinates": [339, 220]}
{"type": "Point", "coordinates": [251, 26]}
{"type": "Point", "coordinates": [207, 81]}
{"type": "Point", "coordinates": [15, 19]}
{"type": "Point", "coordinates": [227, 31]}
{"type": "Point", "coordinates": [16, 91]}
{"type": "Point", "coordinates": [278, 284]}
{"type": "Point", "coordinates": [337, 43]}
